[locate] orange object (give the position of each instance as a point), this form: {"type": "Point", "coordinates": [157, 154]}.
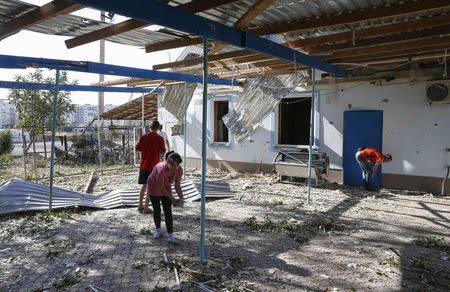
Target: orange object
{"type": "Point", "coordinates": [372, 155]}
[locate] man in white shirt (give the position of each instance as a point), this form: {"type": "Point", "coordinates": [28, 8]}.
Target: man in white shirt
{"type": "Point", "coordinates": [166, 139]}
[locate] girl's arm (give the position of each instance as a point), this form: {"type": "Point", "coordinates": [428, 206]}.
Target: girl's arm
{"type": "Point", "coordinates": [178, 187]}
{"type": "Point", "coordinates": [162, 189]}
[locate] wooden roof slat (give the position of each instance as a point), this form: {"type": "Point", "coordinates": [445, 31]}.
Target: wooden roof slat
{"type": "Point", "coordinates": [409, 7]}
{"type": "Point", "coordinates": [260, 60]}
{"type": "Point", "coordinates": [413, 44]}
{"type": "Point", "coordinates": [133, 109]}
{"type": "Point", "coordinates": [384, 40]}
{"type": "Point", "coordinates": [196, 61]}
{"type": "Point", "coordinates": [372, 32]}
{"type": "Point", "coordinates": [245, 20]}
{"type": "Point", "coordinates": [37, 15]}
{"type": "Point", "coordinates": [127, 25]}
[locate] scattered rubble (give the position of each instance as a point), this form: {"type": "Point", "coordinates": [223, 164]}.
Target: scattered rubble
{"type": "Point", "coordinates": [265, 238]}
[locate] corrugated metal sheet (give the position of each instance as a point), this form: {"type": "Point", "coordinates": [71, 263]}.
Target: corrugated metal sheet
{"type": "Point", "coordinates": [261, 95]}
{"type": "Point", "coordinates": [174, 95]}
{"type": "Point", "coordinates": [71, 25]}
{"type": "Point", "coordinates": [280, 11]}
{"type": "Point", "coordinates": [19, 195]}
{"type": "Point", "coordinates": [289, 10]}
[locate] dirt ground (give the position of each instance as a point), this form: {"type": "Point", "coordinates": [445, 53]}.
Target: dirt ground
{"type": "Point", "coordinates": [266, 238]}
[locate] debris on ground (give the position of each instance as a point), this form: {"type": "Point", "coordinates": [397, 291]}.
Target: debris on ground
{"type": "Point", "coordinates": [265, 238]}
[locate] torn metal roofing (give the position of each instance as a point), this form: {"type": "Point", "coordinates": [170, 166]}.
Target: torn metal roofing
{"type": "Point", "coordinates": [132, 110]}
{"type": "Point", "coordinates": [72, 25]}
{"type": "Point", "coordinates": [19, 195]}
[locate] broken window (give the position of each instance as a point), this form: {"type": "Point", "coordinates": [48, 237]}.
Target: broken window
{"type": "Point", "coordinates": [294, 116]}
{"type": "Point", "coordinates": [219, 129]}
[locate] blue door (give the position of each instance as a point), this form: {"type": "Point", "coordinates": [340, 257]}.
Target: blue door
{"type": "Point", "coordinates": [361, 128]}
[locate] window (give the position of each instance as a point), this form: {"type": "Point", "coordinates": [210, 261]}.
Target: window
{"type": "Point", "coordinates": [294, 115]}
{"type": "Point", "coordinates": [220, 131]}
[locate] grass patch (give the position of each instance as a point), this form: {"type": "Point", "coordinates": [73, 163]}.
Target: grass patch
{"type": "Point", "coordinates": [388, 261]}
{"type": "Point", "coordinates": [6, 159]}
{"type": "Point", "coordinates": [55, 249]}
{"type": "Point", "coordinates": [237, 262]}
{"type": "Point", "coordinates": [66, 282]}
{"type": "Point", "coordinates": [294, 228]}
{"type": "Point", "coordinates": [139, 264]}
{"type": "Point", "coordinates": [146, 231]}
{"type": "Point", "coordinates": [433, 242]}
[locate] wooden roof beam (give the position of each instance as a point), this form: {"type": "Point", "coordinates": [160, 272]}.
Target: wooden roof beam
{"type": "Point", "coordinates": [37, 15]}
{"type": "Point", "coordinates": [127, 25]}
{"type": "Point", "coordinates": [211, 58]}
{"type": "Point", "coordinates": [370, 14]}
{"type": "Point", "coordinates": [413, 44]}
{"type": "Point", "coordinates": [245, 20]}
{"type": "Point", "coordinates": [384, 40]}
{"type": "Point", "coordinates": [372, 32]}
{"type": "Point", "coordinates": [411, 7]}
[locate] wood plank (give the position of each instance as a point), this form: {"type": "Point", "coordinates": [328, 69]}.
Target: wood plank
{"type": "Point", "coordinates": [196, 61]}
{"type": "Point", "coordinates": [178, 43]}
{"type": "Point", "coordinates": [256, 9]}
{"type": "Point", "coordinates": [37, 15]}
{"type": "Point", "coordinates": [379, 41]}
{"type": "Point", "coordinates": [409, 7]}
{"type": "Point", "coordinates": [127, 25]}
{"type": "Point", "coordinates": [374, 31]}
{"type": "Point", "coordinates": [241, 23]}
{"type": "Point", "coordinates": [119, 81]}
{"type": "Point", "coordinates": [359, 34]}
{"type": "Point", "coordinates": [414, 44]}
{"type": "Point", "coordinates": [399, 52]}
{"type": "Point", "coordinates": [245, 20]}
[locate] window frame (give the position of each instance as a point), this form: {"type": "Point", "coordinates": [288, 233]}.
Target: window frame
{"type": "Point", "coordinates": [276, 125]}
{"type": "Point", "coordinates": [211, 119]}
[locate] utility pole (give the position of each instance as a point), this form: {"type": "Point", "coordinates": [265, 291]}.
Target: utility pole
{"type": "Point", "coordinates": [101, 96]}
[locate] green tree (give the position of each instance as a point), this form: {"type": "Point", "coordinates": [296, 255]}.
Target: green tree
{"type": "Point", "coordinates": [6, 144]}
{"type": "Point", "coordinates": [35, 107]}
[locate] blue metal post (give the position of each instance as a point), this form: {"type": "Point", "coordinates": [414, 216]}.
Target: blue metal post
{"type": "Point", "coordinates": [52, 155]}
{"type": "Point", "coordinates": [204, 119]}
{"type": "Point", "coordinates": [311, 135]}
{"type": "Point", "coordinates": [185, 127]}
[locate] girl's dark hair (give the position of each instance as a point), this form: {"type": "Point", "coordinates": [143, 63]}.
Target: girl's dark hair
{"type": "Point", "coordinates": [175, 156]}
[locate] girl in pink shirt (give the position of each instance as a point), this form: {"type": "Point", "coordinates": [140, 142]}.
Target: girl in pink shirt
{"type": "Point", "coordinates": [159, 183]}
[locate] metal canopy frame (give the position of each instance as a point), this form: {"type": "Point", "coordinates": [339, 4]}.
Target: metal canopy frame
{"type": "Point", "coordinates": [17, 62]}
{"type": "Point", "coordinates": [200, 26]}
{"type": "Point", "coordinates": [68, 87]}
{"type": "Point", "coordinates": [208, 29]}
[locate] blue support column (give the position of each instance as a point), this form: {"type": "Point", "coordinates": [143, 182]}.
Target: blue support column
{"type": "Point", "coordinates": [52, 155]}
{"type": "Point", "coordinates": [204, 120]}
{"type": "Point", "coordinates": [311, 135]}
{"type": "Point", "coordinates": [185, 128]}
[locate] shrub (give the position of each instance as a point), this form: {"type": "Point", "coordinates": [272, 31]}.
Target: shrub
{"type": "Point", "coordinates": [6, 143]}
{"type": "Point", "coordinates": [5, 159]}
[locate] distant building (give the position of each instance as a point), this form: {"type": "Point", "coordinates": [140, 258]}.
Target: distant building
{"type": "Point", "coordinates": [8, 115]}
{"type": "Point", "coordinates": [84, 114]}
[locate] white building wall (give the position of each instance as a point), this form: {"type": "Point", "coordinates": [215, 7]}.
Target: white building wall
{"type": "Point", "coordinates": [414, 132]}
